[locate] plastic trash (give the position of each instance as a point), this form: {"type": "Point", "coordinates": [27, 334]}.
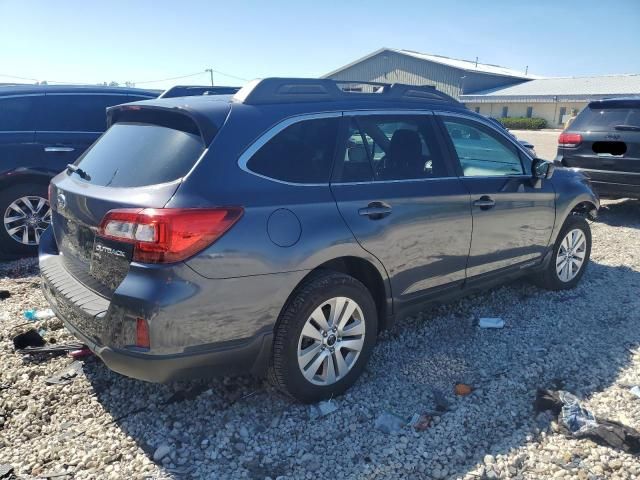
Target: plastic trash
{"type": "Point", "coordinates": [322, 409]}
{"type": "Point", "coordinates": [81, 353]}
{"type": "Point", "coordinates": [490, 322]}
{"type": "Point", "coordinates": [577, 419]}
{"type": "Point", "coordinates": [66, 375]}
{"type": "Point", "coordinates": [4, 316]}
{"type": "Point", "coordinates": [389, 423]}
{"type": "Point", "coordinates": [635, 391]}
{"type": "Point", "coordinates": [420, 422]}
{"type": "Point", "coordinates": [4, 294]}
{"type": "Point", "coordinates": [34, 315]}
{"type": "Point", "coordinates": [30, 338]}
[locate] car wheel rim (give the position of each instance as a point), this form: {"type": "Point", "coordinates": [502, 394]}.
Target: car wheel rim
{"type": "Point", "coordinates": [26, 218]}
{"type": "Point", "coordinates": [331, 341]}
{"type": "Point", "coordinates": [571, 255]}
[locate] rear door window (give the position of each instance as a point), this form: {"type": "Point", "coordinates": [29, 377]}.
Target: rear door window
{"type": "Point", "coordinates": [77, 112]}
{"type": "Point", "coordinates": [395, 148]}
{"type": "Point", "coordinates": [18, 114]}
{"type": "Point", "coordinates": [606, 119]}
{"type": "Point", "coordinates": [301, 153]}
{"type": "Point", "coordinates": [139, 154]}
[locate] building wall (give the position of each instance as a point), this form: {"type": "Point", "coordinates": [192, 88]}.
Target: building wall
{"type": "Point", "coordinates": [390, 67]}
{"type": "Point", "coordinates": [550, 111]}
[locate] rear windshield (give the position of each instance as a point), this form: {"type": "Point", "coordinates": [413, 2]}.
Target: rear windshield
{"type": "Point", "coordinates": [605, 119]}
{"type": "Point", "coordinates": [138, 154]}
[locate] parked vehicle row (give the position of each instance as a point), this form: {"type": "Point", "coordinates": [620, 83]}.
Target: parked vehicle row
{"type": "Point", "coordinates": [278, 232]}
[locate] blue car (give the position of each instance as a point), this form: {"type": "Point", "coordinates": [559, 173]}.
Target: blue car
{"type": "Point", "coordinates": [279, 231]}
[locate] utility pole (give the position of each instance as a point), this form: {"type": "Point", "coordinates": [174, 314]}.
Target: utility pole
{"type": "Point", "coordinates": [211, 74]}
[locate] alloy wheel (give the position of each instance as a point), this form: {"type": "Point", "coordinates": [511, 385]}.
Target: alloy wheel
{"type": "Point", "coordinates": [571, 255]}
{"type": "Point", "coordinates": [331, 341]}
{"type": "Point", "coordinates": [26, 218]}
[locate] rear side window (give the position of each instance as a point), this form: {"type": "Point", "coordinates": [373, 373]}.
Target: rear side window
{"type": "Point", "coordinates": [18, 113]}
{"type": "Point", "coordinates": [139, 154]}
{"type": "Point", "coordinates": [301, 153]}
{"type": "Point", "coordinates": [77, 113]}
{"type": "Point", "coordinates": [605, 119]}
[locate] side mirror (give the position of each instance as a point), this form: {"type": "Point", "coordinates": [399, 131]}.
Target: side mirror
{"type": "Point", "coordinates": [542, 169]}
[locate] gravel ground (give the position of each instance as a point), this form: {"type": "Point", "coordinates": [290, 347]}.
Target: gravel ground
{"type": "Point", "coordinates": [103, 425]}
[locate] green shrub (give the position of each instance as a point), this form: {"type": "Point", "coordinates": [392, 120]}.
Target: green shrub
{"type": "Point", "coordinates": [523, 123]}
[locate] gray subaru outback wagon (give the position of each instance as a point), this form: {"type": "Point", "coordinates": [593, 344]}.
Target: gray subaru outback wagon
{"type": "Point", "coordinates": [279, 230]}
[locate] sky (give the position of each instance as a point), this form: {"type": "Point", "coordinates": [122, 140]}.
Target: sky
{"type": "Point", "coordinates": [147, 42]}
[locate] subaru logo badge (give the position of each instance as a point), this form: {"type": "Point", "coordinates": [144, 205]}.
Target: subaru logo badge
{"type": "Point", "coordinates": [61, 201]}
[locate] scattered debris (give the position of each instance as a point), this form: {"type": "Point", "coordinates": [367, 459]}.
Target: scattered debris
{"type": "Point", "coordinates": [635, 390]}
{"type": "Point", "coordinates": [4, 294]}
{"type": "Point", "coordinates": [578, 422]}
{"type": "Point", "coordinates": [389, 423]}
{"type": "Point", "coordinates": [81, 353]}
{"type": "Point", "coordinates": [322, 409]}
{"type": "Point", "coordinates": [66, 375]}
{"type": "Point", "coordinates": [57, 349]}
{"type": "Point", "coordinates": [5, 470]}
{"type": "Point", "coordinates": [34, 315]}
{"type": "Point", "coordinates": [491, 323]}
{"type": "Point", "coordinates": [462, 389]}
{"type": "Point", "coordinates": [30, 338]}
{"type": "Point", "coordinates": [420, 422]}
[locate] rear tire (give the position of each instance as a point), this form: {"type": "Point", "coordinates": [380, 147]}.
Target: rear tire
{"type": "Point", "coordinates": [313, 360]}
{"type": "Point", "coordinates": [20, 197]}
{"type": "Point", "coordinates": [570, 257]}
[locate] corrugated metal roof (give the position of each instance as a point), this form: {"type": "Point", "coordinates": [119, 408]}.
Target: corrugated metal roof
{"type": "Point", "coordinates": [466, 65]}
{"type": "Point", "coordinates": [566, 87]}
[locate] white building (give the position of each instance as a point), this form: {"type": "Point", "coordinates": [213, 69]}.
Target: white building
{"type": "Point", "coordinates": [550, 98]}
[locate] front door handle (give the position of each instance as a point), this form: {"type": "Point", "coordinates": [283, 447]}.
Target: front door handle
{"type": "Point", "coordinates": [375, 210]}
{"type": "Point", "coordinates": [59, 149]}
{"type": "Point", "coordinates": [485, 202]}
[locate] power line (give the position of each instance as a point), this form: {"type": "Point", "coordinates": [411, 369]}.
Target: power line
{"type": "Point", "coordinates": [172, 78]}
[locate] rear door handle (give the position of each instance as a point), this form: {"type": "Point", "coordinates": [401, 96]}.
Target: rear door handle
{"type": "Point", "coordinates": [485, 202]}
{"type": "Point", "coordinates": [59, 149]}
{"type": "Point", "coordinates": [375, 210]}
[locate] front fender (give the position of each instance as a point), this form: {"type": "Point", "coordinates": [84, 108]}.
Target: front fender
{"type": "Point", "coordinates": [573, 188]}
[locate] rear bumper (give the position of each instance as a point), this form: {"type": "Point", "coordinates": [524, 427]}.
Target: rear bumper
{"type": "Point", "coordinates": [609, 183]}
{"type": "Point", "coordinates": [184, 343]}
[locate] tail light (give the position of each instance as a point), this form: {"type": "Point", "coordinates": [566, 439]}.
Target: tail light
{"type": "Point", "coordinates": [142, 333]}
{"type": "Point", "coordinates": [569, 139]}
{"type": "Point", "coordinates": [168, 235]}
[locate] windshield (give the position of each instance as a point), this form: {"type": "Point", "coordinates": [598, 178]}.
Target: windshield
{"type": "Point", "coordinates": [137, 154]}
{"type": "Point", "coordinates": [605, 119]}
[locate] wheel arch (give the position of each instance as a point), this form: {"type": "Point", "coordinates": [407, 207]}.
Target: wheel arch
{"type": "Point", "coordinates": [366, 272]}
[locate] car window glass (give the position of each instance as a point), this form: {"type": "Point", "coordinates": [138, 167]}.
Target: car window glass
{"type": "Point", "coordinates": [356, 166]}
{"type": "Point", "coordinates": [401, 148]}
{"type": "Point", "coordinates": [18, 113]}
{"type": "Point", "coordinates": [604, 119]}
{"type": "Point", "coordinates": [301, 153]}
{"type": "Point", "coordinates": [482, 152]}
{"type": "Point", "coordinates": [77, 113]}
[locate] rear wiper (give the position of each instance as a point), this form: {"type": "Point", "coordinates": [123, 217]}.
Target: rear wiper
{"type": "Point", "coordinates": [75, 169]}
{"type": "Point", "coordinates": [630, 128]}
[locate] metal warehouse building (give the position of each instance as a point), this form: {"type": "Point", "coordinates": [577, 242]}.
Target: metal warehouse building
{"type": "Point", "coordinates": [449, 75]}
{"type": "Point", "coordinates": [550, 98]}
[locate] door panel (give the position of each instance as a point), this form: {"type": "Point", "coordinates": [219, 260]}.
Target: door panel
{"type": "Point", "coordinates": [512, 219]}
{"type": "Point", "coordinates": [419, 228]}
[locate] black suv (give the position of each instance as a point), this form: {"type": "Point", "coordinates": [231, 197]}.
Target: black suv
{"type": "Point", "coordinates": [281, 230]}
{"type": "Point", "coordinates": [42, 129]}
{"type": "Point", "coordinates": [604, 143]}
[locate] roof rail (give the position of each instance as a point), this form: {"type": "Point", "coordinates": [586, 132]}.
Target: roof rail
{"type": "Point", "coordinates": [195, 90]}
{"type": "Point", "coordinates": [294, 90]}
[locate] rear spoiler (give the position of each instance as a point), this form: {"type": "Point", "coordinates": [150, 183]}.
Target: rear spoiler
{"type": "Point", "coordinates": [172, 116]}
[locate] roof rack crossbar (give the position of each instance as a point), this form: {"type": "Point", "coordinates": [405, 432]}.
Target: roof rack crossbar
{"type": "Point", "coordinates": [295, 90]}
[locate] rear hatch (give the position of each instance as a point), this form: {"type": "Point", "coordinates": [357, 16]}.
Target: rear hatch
{"type": "Point", "coordinates": [138, 163]}
{"type": "Point", "coordinates": [605, 138]}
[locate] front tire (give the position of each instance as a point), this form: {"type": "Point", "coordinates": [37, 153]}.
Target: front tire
{"type": "Point", "coordinates": [570, 258]}
{"type": "Point", "coordinates": [324, 337]}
